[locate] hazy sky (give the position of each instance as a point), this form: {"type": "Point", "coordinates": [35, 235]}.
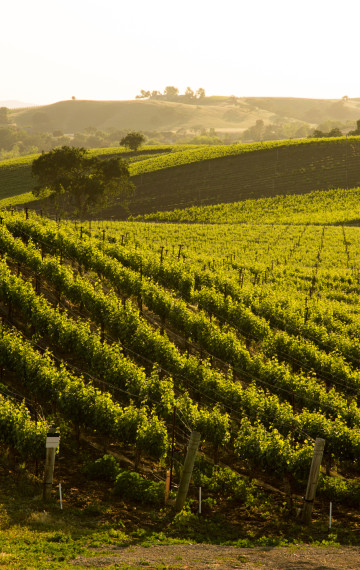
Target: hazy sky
{"type": "Point", "coordinates": [110, 49]}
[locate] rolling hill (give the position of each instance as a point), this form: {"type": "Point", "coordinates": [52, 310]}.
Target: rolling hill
{"type": "Point", "coordinates": [267, 170]}
{"type": "Point", "coordinates": [222, 113]}
{"type": "Point", "coordinates": [177, 176]}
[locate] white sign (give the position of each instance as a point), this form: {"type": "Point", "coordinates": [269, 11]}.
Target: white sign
{"type": "Point", "coordinates": [52, 441]}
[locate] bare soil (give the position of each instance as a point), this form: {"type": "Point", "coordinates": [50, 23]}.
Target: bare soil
{"type": "Point", "coordinates": [205, 556]}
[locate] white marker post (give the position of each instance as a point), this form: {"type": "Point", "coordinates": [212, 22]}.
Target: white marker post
{"type": "Point", "coordinates": [52, 443]}
{"type": "Point", "coordinates": [199, 500]}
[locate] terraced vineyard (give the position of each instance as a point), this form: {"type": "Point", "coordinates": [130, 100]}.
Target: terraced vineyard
{"type": "Point", "coordinates": [250, 332]}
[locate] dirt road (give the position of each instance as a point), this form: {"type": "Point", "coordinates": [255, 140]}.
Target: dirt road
{"type": "Point", "coordinates": [208, 557]}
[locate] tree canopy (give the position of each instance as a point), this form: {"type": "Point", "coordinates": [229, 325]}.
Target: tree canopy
{"type": "Point", "coordinates": [318, 134]}
{"type": "Point", "coordinates": [4, 115]}
{"type": "Point", "coordinates": [133, 140]}
{"type": "Point", "coordinates": [171, 93]}
{"type": "Point", "coordinates": [78, 183]}
{"type": "Point", "coordinates": [357, 130]}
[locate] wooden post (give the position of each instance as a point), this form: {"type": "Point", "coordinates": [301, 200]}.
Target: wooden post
{"type": "Point", "coordinates": [187, 470]}
{"type": "Point", "coordinates": [313, 480]}
{"type": "Point", "coordinates": [167, 485]}
{"type": "Point", "coordinates": [172, 446]}
{"type": "Point", "coordinates": [180, 247]}
{"type": "Point", "coordinates": [52, 442]}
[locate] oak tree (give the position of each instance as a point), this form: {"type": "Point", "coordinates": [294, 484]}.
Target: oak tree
{"type": "Point", "coordinates": [133, 140]}
{"type": "Point", "coordinates": [78, 183]}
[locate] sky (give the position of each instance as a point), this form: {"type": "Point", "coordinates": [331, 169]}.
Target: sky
{"type": "Point", "coordinates": [111, 49]}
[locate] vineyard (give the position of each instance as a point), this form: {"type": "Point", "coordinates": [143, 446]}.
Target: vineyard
{"type": "Point", "coordinates": [182, 176]}
{"type": "Point", "coordinates": [16, 181]}
{"type": "Point", "coordinates": [136, 334]}
{"type": "Point", "coordinates": [336, 206]}
{"type": "Point", "coordinates": [233, 173]}
{"type": "Point", "coordinates": [207, 311]}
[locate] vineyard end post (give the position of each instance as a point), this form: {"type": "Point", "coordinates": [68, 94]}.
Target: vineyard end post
{"type": "Point", "coordinates": [52, 442]}
{"type": "Point", "coordinates": [167, 486]}
{"type": "Point", "coordinates": [187, 470]}
{"type": "Point", "coordinates": [313, 480]}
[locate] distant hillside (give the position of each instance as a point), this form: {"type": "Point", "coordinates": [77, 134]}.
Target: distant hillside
{"type": "Point", "coordinates": [222, 113]}
{"type": "Point", "coordinates": [308, 110]}
{"type": "Point", "coordinates": [73, 116]}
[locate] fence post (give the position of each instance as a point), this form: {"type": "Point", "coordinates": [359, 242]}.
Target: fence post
{"type": "Point", "coordinates": [167, 485]}
{"type": "Point", "coordinates": [52, 442]}
{"type": "Point", "coordinates": [313, 480]}
{"type": "Point", "coordinates": [172, 446]}
{"type": "Point", "coordinates": [187, 470]}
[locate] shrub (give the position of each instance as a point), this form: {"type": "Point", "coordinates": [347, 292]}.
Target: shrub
{"type": "Point", "coordinates": [132, 486]}
{"type": "Point", "coordinates": [105, 468]}
{"type": "Point", "coordinates": [228, 484]}
{"type": "Point", "coordinates": [339, 490]}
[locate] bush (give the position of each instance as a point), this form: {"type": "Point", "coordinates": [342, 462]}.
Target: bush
{"type": "Point", "coordinates": [132, 486]}
{"type": "Point", "coordinates": [105, 468]}
{"type": "Point", "coordinates": [229, 485]}
{"type": "Point", "coordinates": [339, 490]}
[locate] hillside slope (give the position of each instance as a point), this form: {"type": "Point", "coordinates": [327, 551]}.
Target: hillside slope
{"type": "Point", "coordinates": [271, 171]}
{"type": "Point", "coordinates": [15, 173]}
{"type": "Point", "coordinates": [179, 177]}
{"type": "Point", "coordinates": [73, 116]}
{"type": "Point", "coordinates": [225, 113]}
{"type": "Point", "coordinates": [247, 333]}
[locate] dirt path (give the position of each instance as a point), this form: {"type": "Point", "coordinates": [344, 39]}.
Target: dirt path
{"type": "Point", "coordinates": [204, 556]}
